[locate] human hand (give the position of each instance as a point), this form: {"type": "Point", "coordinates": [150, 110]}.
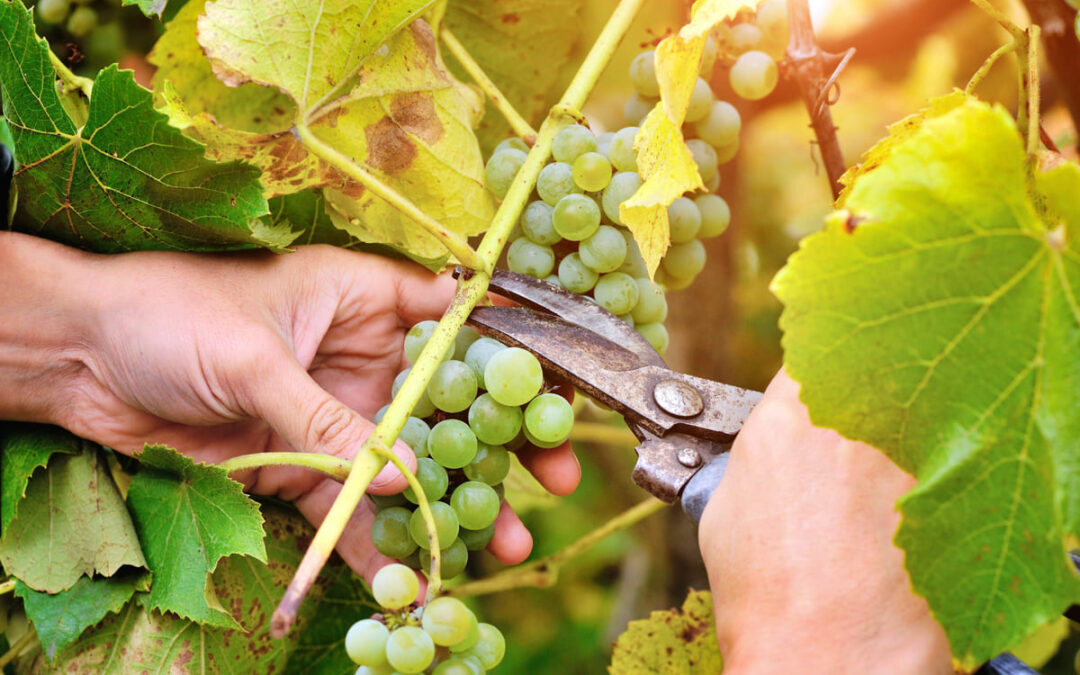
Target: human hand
{"type": "Point", "coordinates": [223, 355]}
{"type": "Point", "coordinates": [797, 540]}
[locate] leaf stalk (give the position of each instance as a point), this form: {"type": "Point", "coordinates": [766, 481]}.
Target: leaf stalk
{"type": "Point", "coordinates": [335, 467]}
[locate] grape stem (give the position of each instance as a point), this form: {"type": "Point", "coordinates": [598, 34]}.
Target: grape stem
{"type": "Point", "coordinates": [988, 64]}
{"type": "Point", "coordinates": [544, 573]}
{"type": "Point", "coordinates": [1057, 20]}
{"type": "Point", "coordinates": [17, 648]}
{"type": "Point", "coordinates": [7, 586]}
{"type": "Point", "coordinates": [454, 242]}
{"type": "Point", "coordinates": [472, 287]}
{"type": "Point", "coordinates": [335, 467]}
{"type": "Point", "coordinates": [518, 123]}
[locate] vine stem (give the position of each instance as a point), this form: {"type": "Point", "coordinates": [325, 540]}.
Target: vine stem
{"type": "Point", "coordinates": [1030, 88]}
{"type": "Point", "coordinates": [472, 287]}
{"type": "Point", "coordinates": [518, 123]}
{"type": "Point", "coordinates": [545, 572]}
{"type": "Point", "coordinates": [1005, 22]}
{"type": "Point", "coordinates": [16, 649]}
{"type": "Point", "coordinates": [454, 242]}
{"type": "Point", "coordinates": [335, 467]}
{"type": "Point", "coordinates": [988, 64]}
{"type": "Point", "coordinates": [71, 80]}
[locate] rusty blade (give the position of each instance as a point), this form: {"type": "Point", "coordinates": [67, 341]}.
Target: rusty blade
{"type": "Point", "coordinates": [616, 376]}
{"type": "Point", "coordinates": [575, 308]}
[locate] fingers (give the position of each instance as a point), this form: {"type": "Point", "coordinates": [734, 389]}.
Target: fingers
{"type": "Point", "coordinates": [512, 542]}
{"type": "Point", "coordinates": [419, 294]}
{"type": "Point", "coordinates": [556, 468]}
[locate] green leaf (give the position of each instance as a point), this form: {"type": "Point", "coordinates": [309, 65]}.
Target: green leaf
{"type": "Point", "coordinates": [25, 448]}
{"type": "Point", "coordinates": [72, 522]}
{"type": "Point", "coordinates": [139, 640]}
{"type": "Point", "coordinates": [124, 179]}
{"type": "Point", "coordinates": [937, 318]}
{"type": "Point", "coordinates": [523, 46]}
{"type": "Point", "coordinates": [670, 642]}
{"type": "Point", "coordinates": [190, 516]}
{"type": "Point", "coordinates": [60, 618]}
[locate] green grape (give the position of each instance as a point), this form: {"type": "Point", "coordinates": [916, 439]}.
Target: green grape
{"type": "Point", "coordinates": [395, 586]}
{"type": "Point", "coordinates": [536, 224]}
{"type": "Point", "coordinates": [726, 153]}
{"type": "Point", "coordinates": [452, 559]}
{"type": "Point", "coordinates": [575, 276]}
{"type": "Point", "coordinates": [634, 265]}
{"type": "Point", "coordinates": [413, 559]}
{"type": "Point", "coordinates": [643, 74]}
{"type": "Point", "coordinates": [452, 443]}
{"type": "Point", "coordinates": [446, 526]}
{"type": "Point", "coordinates": [701, 101]}
{"type": "Point", "coordinates": [604, 251]}
{"type": "Point", "coordinates": [492, 462]}
{"type": "Point", "coordinates": [492, 422]}
{"type": "Point", "coordinates": [381, 412]}
{"type": "Point", "coordinates": [470, 639]}
{"type": "Point", "coordinates": [53, 11]}
{"type": "Point", "coordinates": [387, 501]}
{"type": "Point", "coordinates": [447, 621]}
{"type": "Point", "coordinates": [452, 387]}
{"type": "Point", "coordinates": [704, 157]}
{"type": "Point", "coordinates": [433, 480]}
{"type": "Point", "coordinates": [81, 21]}
{"type": "Point", "coordinates": [476, 540]}
{"type": "Point", "coordinates": [714, 184]}
{"type": "Point", "coordinates": [478, 355]}
{"type": "Point", "coordinates": [656, 334]}
{"type": "Point", "coordinates": [556, 180]}
{"type": "Point", "coordinates": [715, 215]}
{"type": "Point", "coordinates": [465, 337]}
{"type": "Point", "coordinates": [576, 217]}
{"type": "Point", "coordinates": [721, 126]}
{"type": "Point", "coordinates": [651, 306]}
{"type": "Point", "coordinates": [456, 666]}
{"type": "Point", "coordinates": [512, 143]}
{"type": "Point", "coordinates": [553, 278]}
{"type": "Point", "coordinates": [637, 108]}
{"type": "Point", "coordinates": [744, 37]}
{"type": "Point", "coordinates": [414, 434]}
{"type": "Point", "coordinates": [513, 376]}
{"type": "Point", "coordinates": [501, 169]}
{"type": "Point", "coordinates": [490, 647]}
{"type": "Point", "coordinates": [684, 220]}
{"type": "Point", "coordinates": [708, 57]}
{"type": "Point", "coordinates": [628, 319]}
{"type": "Point", "coordinates": [592, 172]}
{"type": "Point", "coordinates": [525, 257]}
{"type": "Point", "coordinates": [476, 503]}
{"type": "Point", "coordinates": [684, 261]}
{"type": "Point", "coordinates": [623, 186]}
{"type": "Point", "coordinates": [603, 142]}
{"type": "Point", "coordinates": [549, 418]}
{"type": "Point", "coordinates": [621, 152]}
{"type": "Point", "coordinates": [375, 670]}
{"type": "Point", "coordinates": [390, 532]}
{"type": "Point", "coordinates": [424, 407]}
{"type": "Point", "coordinates": [536, 441]}
{"type": "Point", "coordinates": [410, 650]}
{"type": "Point", "coordinates": [616, 292]}
{"type": "Point", "coordinates": [571, 142]}
{"type": "Point", "coordinates": [772, 19]}
{"type": "Point", "coordinates": [754, 75]}
{"type": "Point", "coordinates": [365, 642]}
{"type": "Point", "coordinates": [417, 338]}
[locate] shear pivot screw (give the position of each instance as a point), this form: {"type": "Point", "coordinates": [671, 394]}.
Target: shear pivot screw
{"type": "Point", "coordinates": [678, 398]}
{"type": "Point", "coordinates": [689, 457]}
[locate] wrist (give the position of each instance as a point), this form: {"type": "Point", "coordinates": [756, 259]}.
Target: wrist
{"type": "Point", "coordinates": [45, 317]}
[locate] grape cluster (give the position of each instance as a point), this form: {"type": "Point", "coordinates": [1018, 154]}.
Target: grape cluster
{"type": "Point", "coordinates": [753, 46]}
{"type": "Point", "coordinates": [442, 637]}
{"type": "Point", "coordinates": [76, 16]}
{"type": "Point", "coordinates": [483, 399]}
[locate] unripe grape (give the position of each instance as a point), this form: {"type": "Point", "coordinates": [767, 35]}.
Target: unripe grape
{"type": "Point", "coordinates": [656, 335]}
{"type": "Point", "coordinates": [81, 21]}
{"type": "Point", "coordinates": [701, 100]}
{"type": "Point", "coordinates": [575, 275]}
{"type": "Point", "coordinates": [452, 559]}
{"type": "Point", "coordinates": [536, 224]}
{"type": "Point", "coordinates": [446, 620]}
{"type": "Point", "coordinates": [526, 257]}
{"type": "Point", "coordinates": [556, 180]}
{"type": "Point", "coordinates": [721, 126]}
{"type": "Point", "coordinates": [592, 172]}
{"type": "Point", "coordinates": [53, 11]}
{"type": "Point", "coordinates": [501, 169]}
{"type": "Point", "coordinates": [576, 217]}
{"type": "Point", "coordinates": [571, 142]}
{"type": "Point", "coordinates": [621, 152]}
{"type": "Point", "coordinates": [410, 650]}
{"type": "Point", "coordinates": [623, 186]}
{"type": "Point", "coordinates": [744, 37]}
{"type": "Point", "coordinates": [754, 75]}
{"type": "Point", "coordinates": [643, 74]}
{"type": "Point", "coordinates": [637, 108]}
{"type": "Point", "coordinates": [715, 215]}
{"type": "Point", "coordinates": [704, 157]}
{"type": "Point", "coordinates": [616, 292]}
{"type": "Point", "coordinates": [365, 642]}
{"type": "Point", "coordinates": [395, 586]}
{"type": "Point", "coordinates": [684, 220]}
{"type": "Point", "coordinates": [511, 143]}
{"type": "Point", "coordinates": [708, 57]}
{"type": "Point", "coordinates": [685, 261]}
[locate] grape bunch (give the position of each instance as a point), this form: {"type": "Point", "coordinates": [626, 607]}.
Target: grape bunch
{"type": "Point", "coordinates": [484, 399]}
{"type": "Point", "coordinates": [442, 637]}
{"type": "Point", "coordinates": [76, 16]}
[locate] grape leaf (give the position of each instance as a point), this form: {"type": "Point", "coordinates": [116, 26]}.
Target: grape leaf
{"type": "Point", "coordinates": [937, 319]}
{"type": "Point", "coordinates": [139, 640]}
{"type": "Point", "coordinates": [60, 618]}
{"type": "Point", "coordinates": [522, 45]}
{"type": "Point", "coordinates": [25, 448]}
{"type": "Point", "coordinates": [123, 179]}
{"type": "Point", "coordinates": [666, 166]}
{"type": "Point", "coordinates": [72, 522]}
{"type": "Point", "coordinates": [670, 642]}
{"type": "Point", "coordinates": [189, 517]}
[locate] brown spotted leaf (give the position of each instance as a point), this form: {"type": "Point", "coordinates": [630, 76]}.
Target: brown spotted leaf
{"type": "Point", "coordinates": [670, 642]}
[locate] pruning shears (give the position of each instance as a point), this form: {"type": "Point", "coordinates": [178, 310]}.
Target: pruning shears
{"type": "Point", "coordinates": [685, 424]}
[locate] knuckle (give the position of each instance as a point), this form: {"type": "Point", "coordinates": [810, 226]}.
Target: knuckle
{"type": "Point", "coordinates": [332, 428]}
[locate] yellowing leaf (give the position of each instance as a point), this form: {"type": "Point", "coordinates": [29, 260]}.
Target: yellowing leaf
{"type": "Point", "coordinates": [671, 642]}
{"type": "Point", "coordinates": [668, 170]}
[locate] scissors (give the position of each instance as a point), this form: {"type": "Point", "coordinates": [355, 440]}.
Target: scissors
{"type": "Point", "coordinates": [685, 424]}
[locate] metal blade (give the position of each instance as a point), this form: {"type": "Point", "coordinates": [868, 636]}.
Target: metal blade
{"type": "Point", "coordinates": [646, 394]}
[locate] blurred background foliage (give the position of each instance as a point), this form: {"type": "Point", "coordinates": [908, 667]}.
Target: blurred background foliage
{"type": "Point", "coordinates": [725, 325]}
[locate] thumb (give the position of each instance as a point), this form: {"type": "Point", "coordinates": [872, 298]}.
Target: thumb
{"type": "Point", "coordinates": [312, 420]}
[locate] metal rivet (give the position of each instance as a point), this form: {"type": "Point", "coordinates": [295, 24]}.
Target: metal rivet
{"type": "Point", "coordinates": [678, 398]}
{"type": "Point", "coordinates": [689, 457]}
